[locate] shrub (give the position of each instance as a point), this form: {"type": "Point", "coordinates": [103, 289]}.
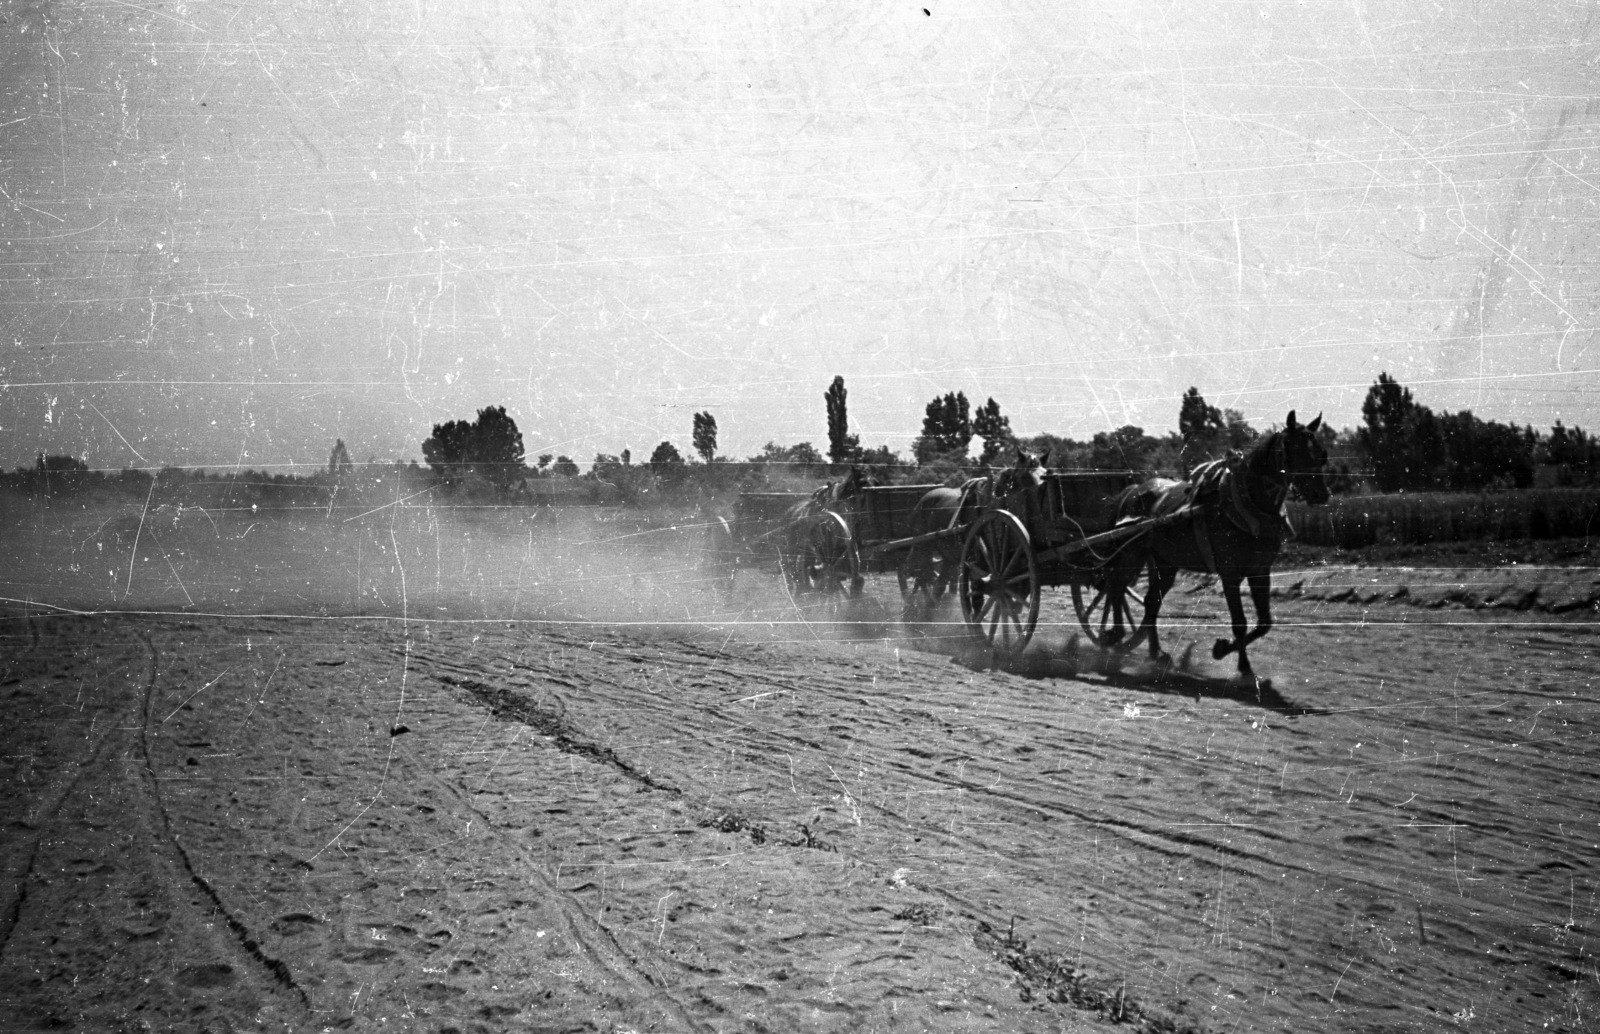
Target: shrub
{"type": "Point", "coordinates": [1357, 521]}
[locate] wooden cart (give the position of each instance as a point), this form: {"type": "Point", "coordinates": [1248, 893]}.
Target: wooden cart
{"type": "Point", "coordinates": [1063, 533]}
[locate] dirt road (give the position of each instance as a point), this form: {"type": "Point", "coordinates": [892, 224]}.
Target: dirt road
{"type": "Point", "coordinates": [753, 819]}
{"type": "Point", "coordinates": [431, 824]}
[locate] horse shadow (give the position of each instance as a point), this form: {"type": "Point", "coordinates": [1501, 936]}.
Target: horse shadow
{"type": "Point", "coordinates": [1174, 679]}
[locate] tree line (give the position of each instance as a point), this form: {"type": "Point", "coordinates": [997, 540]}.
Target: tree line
{"type": "Point", "coordinates": [1401, 445]}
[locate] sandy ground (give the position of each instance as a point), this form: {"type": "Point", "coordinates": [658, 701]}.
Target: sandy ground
{"type": "Point", "coordinates": [650, 806]}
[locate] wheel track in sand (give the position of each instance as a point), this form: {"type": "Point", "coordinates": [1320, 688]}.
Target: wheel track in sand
{"type": "Point", "coordinates": [138, 863]}
{"type": "Point", "coordinates": [243, 940]}
{"type": "Point", "coordinates": [17, 873]}
{"type": "Point", "coordinates": [590, 934]}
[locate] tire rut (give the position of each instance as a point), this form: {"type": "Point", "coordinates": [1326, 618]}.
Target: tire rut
{"type": "Point", "coordinates": [243, 939]}
{"type": "Point", "coordinates": [594, 937]}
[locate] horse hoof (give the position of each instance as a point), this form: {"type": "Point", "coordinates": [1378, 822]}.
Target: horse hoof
{"type": "Point", "coordinates": [1222, 648]}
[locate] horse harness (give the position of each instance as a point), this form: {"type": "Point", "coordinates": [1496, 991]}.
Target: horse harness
{"type": "Point", "coordinates": [1219, 484]}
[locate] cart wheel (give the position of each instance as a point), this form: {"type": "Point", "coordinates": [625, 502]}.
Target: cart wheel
{"type": "Point", "coordinates": [827, 560]}
{"type": "Point", "coordinates": [1111, 603]}
{"type": "Point", "coordinates": [999, 583]}
{"type": "Point", "coordinates": [924, 577]}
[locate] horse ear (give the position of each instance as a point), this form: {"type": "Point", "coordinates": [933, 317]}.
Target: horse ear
{"type": "Point", "coordinates": [1312, 427]}
{"type": "Point", "coordinates": [1290, 422]}
{"type": "Point", "coordinates": [1044, 461]}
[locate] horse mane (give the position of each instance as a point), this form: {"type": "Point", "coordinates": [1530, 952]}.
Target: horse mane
{"type": "Point", "coordinates": [1268, 455]}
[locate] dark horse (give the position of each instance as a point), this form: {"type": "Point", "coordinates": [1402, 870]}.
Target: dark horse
{"type": "Point", "coordinates": [816, 553]}
{"type": "Point", "coordinates": [926, 570]}
{"type": "Point", "coordinates": [722, 551]}
{"type": "Point", "coordinates": [838, 496]}
{"type": "Point", "coordinates": [1236, 531]}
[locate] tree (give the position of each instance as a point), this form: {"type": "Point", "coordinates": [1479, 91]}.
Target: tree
{"type": "Point", "coordinates": [946, 429]}
{"type": "Point", "coordinates": [1411, 447]}
{"type": "Point", "coordinates": [1574, 453]}
{"type": "Point", "coordinates": [802, 458]}
{"type": "Point", "coordinates": [1405, 443]}
{"type": "Point", "coordinates": [1126, 448]}
{"type": "Point", "coordinates": [665, 458]}
{"type": "Point", "coordinates": [339, 459]}
{"type": "Point", "coordinates": [882, 458]}
{"type": "Point", "coordinates": [994, 429]}
{"type": "Point", "coordinates": [705, 435]}
{"type": "Point", "coordinates": [1206, 432]}
{"type": "Point", "coordinates": [497, 447]}
{"type": "Point", "coordinates": [1063, 452]}
{"type": "Point", "coordinates": [1236, 431]}
{"type": "Point", "coordinates": [1478, 454]}
{"type": "Point", "coordinates": [843, 447]}
{"type": "Point", "coordinates": [1389, 414]}
{"type": "Point", "coordinates": [491, 448]}
{"type": "Point", "coordinates": [564, 467]}
{"type": "Point", "coordinates": [60, 474]}
{"type": "Point", "coordinates": [449, 448]}
{"type": "Point", "coordinates": [1199, 425]}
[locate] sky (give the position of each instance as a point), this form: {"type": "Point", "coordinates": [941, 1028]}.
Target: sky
{"type": "Point", "coordinates": [232, 232]}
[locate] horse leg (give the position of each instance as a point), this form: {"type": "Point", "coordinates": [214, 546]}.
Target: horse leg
{"type": "Point", "coordinates": [1261, 596]}
{"type": "Point", "coordinates": [1119, 578]}
{"type": "Point", "coordinates": [1161, 579]}
{"type": "Point", "coordinates": [1223, 647]}
{"type": "Point", "coordinates": [1115, 588]}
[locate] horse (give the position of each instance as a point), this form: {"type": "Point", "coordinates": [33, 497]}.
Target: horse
{"type": "Point", "coordinates": [835, 496]}
{"type": "Point", "coordinates": [1236, 529]}
{"type": "Point", "coordinates": [842, 498]}
{"type": "Point", "coordinates": [926, 570]}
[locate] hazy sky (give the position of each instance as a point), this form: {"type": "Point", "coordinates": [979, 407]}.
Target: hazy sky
{"type": "Point", "coordinates": [233, 232]}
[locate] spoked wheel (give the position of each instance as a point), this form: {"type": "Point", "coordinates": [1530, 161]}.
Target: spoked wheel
{"type": "Point", "coordinates": [999, 583]}
{"type": "Point", "coordinates": [924, 577]}
{"type": "Point", "coordinates": [1111, 603]}
{"type": "Point", "coordinates": [827, 561]}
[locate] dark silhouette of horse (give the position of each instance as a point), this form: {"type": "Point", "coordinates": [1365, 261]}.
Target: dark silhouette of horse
{"type": "Point", "coordinates": [1236, 530]}
{"type": "Point", "coordinates": [791, 534]}
{"type": "Point", "coordinates": [839, 496]}
{"type": "Point", "coordinates": [811, 551]}
{"type": "Point", "coordinates": [927, 569]}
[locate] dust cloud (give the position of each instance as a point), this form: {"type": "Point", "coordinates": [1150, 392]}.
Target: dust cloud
{"type": "Point", "coordinates": [414, 560]}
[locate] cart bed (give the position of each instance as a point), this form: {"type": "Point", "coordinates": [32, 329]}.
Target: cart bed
{"type": "Point", "coordinates": [1079, 503]}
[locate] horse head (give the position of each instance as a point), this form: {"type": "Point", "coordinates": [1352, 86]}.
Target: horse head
{"type": "Point", "coordinates": [854, 482]}
{"type": "Point", "coordinates": [1017, 486]}
{"type": "Point", "coordinates": [1303, 459]}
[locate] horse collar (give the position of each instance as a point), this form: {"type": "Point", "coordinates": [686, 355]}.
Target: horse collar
{"type": "Point", "coordinates": [1244, 513]}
